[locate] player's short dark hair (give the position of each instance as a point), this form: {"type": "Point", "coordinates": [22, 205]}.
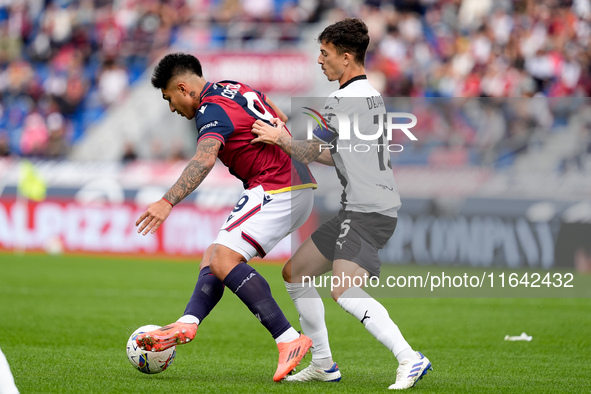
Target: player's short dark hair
{"type": "Point", "coordinates": [348, 36]}
{"type": "Point", "coordinates": [173, 65]}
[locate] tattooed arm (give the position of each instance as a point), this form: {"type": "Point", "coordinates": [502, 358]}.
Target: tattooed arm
{"type": "Point", "coordinates": [196, 171]}
{"type": "Point", "coordinates": [192, 176]}
{"type": "Point", "coordinates": [305, 151]}
{"type": "Point", "coordinates": [325, 158]}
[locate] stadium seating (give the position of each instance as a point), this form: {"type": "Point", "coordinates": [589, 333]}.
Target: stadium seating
{"type": "Point", "coordinates": [419, 48]}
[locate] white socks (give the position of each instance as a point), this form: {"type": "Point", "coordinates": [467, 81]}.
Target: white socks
{"type": "Point", "coordinates": [189, 319]}
{"type": "Point", "coordinates": [311, 309]}
{"type": "Point", "coordinates": [289, 335]}
{"type": "Point", "coordinates": [377, 321]}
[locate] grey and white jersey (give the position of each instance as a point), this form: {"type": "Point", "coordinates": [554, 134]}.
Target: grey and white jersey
{"type": "Point", "coordinates": [362, 164]}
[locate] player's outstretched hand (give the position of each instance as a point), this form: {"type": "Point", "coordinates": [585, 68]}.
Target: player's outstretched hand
{"type": "Point", "coordinates": [267, 133]}
{"type": "Point", "coordinates": [154, 216]}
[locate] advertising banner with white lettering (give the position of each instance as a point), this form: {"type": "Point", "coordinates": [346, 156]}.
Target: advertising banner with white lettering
{"type": "Point", "coordinates": [58, 226]}
{"type": "Point", "coordinates": [93, 207]}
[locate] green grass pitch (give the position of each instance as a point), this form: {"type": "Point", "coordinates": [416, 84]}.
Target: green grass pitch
{"type": "Point", "coordinates": [64, 322]}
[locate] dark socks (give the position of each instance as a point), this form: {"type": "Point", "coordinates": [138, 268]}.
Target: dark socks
{"type": "Point", "coordinates": [254, 291]}
{"type": "Point", "coordinates": [208, 291]}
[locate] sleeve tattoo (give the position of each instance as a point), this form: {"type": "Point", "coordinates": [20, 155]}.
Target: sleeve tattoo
{"type": "Point", "coordinates": [196, 171]}
{"type": "Point", "coordinates": [303, 151]}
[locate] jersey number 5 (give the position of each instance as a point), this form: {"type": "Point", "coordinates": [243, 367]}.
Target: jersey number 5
{"type": "Point", "coordinates": [345, 228]}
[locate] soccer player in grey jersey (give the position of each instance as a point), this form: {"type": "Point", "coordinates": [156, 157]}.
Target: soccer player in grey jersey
{"type": "Point", "coordinates": [362, 165]}
{"type": "Point", "coordinates": [349, 243]}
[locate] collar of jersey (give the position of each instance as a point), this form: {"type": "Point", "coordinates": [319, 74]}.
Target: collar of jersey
{"type": "Point", "coordinates": [205, 89]}
{"type": "Point", "coordinates": [349, 82]}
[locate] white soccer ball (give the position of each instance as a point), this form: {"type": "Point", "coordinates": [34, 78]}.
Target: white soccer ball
{"type": "Point", "coordinates": [145, 361]}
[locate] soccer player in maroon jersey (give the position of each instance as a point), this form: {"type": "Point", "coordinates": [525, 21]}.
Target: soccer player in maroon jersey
{"type": "Point", "coordinates": [277, 200]}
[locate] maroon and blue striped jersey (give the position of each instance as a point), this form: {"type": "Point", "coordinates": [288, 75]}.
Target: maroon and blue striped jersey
{"type": "Point", "coordinates": [227, 111]}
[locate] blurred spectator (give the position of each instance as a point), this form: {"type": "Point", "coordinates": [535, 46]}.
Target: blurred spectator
{"type": "Point", "coordinates": [57, 143]}
{"type": "Point", "coordinates": [57, 22]}
{"type": "Point", "coordinates": [129, 154]}
{"type": "Point", "coordinates": [4, 145]}
{"type": "Point", "coordinates": [10, 45]}
{"type": "Point", "coordinates": [76, 89]}
{"type": "Point", "coordinates": [18, 77]}
{"type": "Point", "coordinates": [35, 136]}
{"type": "Point", "coordinates": [109, 36]}
{"type": "Point", "coordinates": [112, 83]}
{"type": "Point", "coordinates": [258, 10]}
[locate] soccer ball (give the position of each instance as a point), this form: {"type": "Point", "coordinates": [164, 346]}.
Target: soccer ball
{"type": "Point", "coordinates": [148, 362]}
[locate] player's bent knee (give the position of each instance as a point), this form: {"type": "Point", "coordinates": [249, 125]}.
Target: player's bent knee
{"type": "Point", "coordinates": [221, 268]}
{"type": "Point", "coordinates": [223, 260]}
{"type": "Point", "coordinates": [286, 271]}
{"type": "Point", "coordinates": [206, 261]}
{"type": "Point", "coordinates": [215, 269]}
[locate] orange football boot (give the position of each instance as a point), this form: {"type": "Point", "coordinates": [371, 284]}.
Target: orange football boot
{"type": "Point", "coordinates": [166, 337]}
{"type": "Point", "coordinates": [290, 355]}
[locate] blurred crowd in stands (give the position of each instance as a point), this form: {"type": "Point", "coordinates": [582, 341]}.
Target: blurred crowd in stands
{"type": "Point", "coordinates": [64, 62]}
{"type": "Point", "coordinates": [472, 48]}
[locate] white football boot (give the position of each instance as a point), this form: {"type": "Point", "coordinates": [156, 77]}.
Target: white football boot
{"type": "Point", "coordinates": [411, 371]}
{"type": "Point", "coordinates": [312, 373]}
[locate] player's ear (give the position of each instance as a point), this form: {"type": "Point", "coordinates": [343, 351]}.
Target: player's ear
{"type": "Point", "coordinates": [182, 88]}
{"type": "Point", "coordinates": [347, 58]}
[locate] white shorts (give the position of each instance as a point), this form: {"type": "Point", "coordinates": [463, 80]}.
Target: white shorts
{"type": "Point", "coordinates": [260, 220]}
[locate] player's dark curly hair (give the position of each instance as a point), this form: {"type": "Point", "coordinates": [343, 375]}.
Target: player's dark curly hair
{"type": "Point", "coordinates": [172, 65]}
{"type": "Point", "coordinates": [348, 36]}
